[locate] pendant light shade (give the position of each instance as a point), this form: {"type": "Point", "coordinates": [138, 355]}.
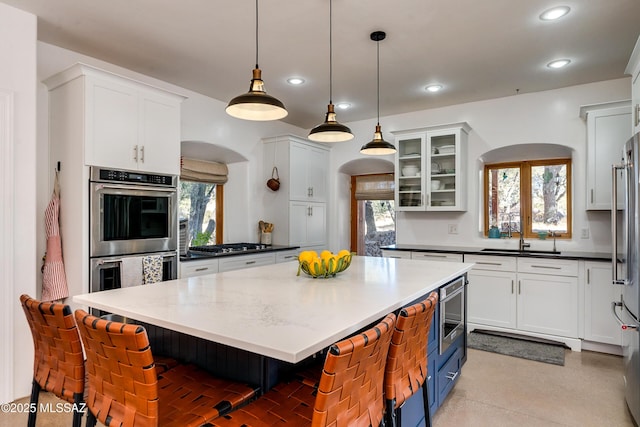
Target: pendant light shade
{"type": "Point", "coordinates": [256, 104]}
{"type": "Point", "coordinates": [330, 130]}
{"type": "Point", "coordinates": [378, 146]}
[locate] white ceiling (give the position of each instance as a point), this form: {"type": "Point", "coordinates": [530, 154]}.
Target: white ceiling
{"type": "Point", "coordinates": [475, 49]}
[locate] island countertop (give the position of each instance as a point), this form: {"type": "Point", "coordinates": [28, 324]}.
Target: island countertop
{"type": "Point", "coordinates": [270, 311]}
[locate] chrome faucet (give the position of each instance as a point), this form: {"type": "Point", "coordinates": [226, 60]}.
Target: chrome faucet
{"type": "Point", "coordinates": [523, 244]}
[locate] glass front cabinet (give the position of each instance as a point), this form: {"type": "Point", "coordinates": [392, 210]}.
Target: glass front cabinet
{"type": "Point", "coordinates": [430, 168]}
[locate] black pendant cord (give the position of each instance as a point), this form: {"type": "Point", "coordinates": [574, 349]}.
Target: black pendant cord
{"type": "Point", "coordinates": [257, 34]}
{"type": "Point", "coordinates": [330, 55]}
{"type": "Point", "coordinates": [378, 67]}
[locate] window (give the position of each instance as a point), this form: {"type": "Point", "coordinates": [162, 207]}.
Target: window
{"type": "Point", "coordinates": [201, 199]}
{"type": "Point", "coordinates": [540, 189]}
{"type": "Point", "coordinates": [373, 220]}
{"type": "Point", "coordinates": [201, 204]}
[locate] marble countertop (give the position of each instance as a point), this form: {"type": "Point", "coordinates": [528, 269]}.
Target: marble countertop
{"type": "Point", "coordinates": [589, 256]}
{"type": "Point", "coordinates": [270, 311]}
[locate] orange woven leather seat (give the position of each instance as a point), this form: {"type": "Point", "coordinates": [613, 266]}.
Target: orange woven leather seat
{"type": "Point", "coordinates": [58, 363]}
{"type": "Point", "coordinates": [349, 392]}
{"type": "Point", "coordinates": [124, 388]}
{"type": "Point", "coordinates": [406, 369]}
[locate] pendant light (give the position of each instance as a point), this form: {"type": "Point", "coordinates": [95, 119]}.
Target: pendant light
{"type": "Point", "coordinates": [330, 130]}
{"type": "Point", "coordinates": [256, 104]}
{"type": "Point", "coordinates": [378, 146]}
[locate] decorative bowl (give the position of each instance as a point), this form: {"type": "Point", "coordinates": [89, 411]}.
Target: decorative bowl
{"type": "Point", "coordinates": [410, 170]}
{"type": "Point", "coordinates": [447, 149]}
{"type": "Point", "coordinates": [325, 266]}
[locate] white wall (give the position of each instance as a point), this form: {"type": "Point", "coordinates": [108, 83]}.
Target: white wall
{"type": "Point", "coordinates": [18, 226]}
{"type": "Point", "coordinates": [543, 117]}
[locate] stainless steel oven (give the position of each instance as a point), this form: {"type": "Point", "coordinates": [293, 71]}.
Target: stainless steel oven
{"type": "Point", "coordinates": [452, 309]}
{"type": "Point", "coordinates": [132, 212]}
{"type": "Point", "coordinates": [106, 272]}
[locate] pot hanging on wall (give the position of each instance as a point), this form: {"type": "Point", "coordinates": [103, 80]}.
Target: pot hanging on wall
{"type": "Point", "coordinates": [274, 182]}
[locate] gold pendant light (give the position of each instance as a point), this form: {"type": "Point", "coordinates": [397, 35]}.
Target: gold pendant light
{"type": "Point", "coordinates": [330, 130]}
{"type": "Point", "coordinates": [378, 146]}
{"type": "Point", "coordinates": [256, 104]}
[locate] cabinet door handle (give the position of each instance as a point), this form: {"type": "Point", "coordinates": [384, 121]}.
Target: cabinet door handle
{"type": "Point", "coordinates": [519, 287]}
{"type": "Point", "coordinates": [135, 153]}
{"type": "Point", "coordinates": [512, 282]}
{"type": "Point", "coordinates": [202, 269]}
{"type": "Point", "coordinates": [452, 375]}
{"type": "Point", "coordinates": [250, 262]}
{"type": "Point", "coordinates": [637, 115]}
{"type": "Point", "coordinates": [592, 195]}
{"type": "Point", "coordinates": [289, 257]}
{"type": "Point", "coordinates": [142, 153]}
{"type": "Point", "coordinates": [489, 263]}
{"type": "Point", "coordinates": [432, 256]}
{"type": "Point", "coordinates": [308, 191]}
{"type": "Point", "coordinates": [588, 276]}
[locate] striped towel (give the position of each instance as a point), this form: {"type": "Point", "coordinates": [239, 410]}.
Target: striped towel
{"type": "Point", "coordinates": [54, 279]}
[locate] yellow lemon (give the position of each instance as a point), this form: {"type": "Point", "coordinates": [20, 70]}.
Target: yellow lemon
{"type": "Point", "coordinates": [306, 256]}
{"type": "Point", "coordinates": [324, 254]}
{"type": "Point", "coordinates": [343, 253]}
{"type": "Point", "coordinates": [316, 267]}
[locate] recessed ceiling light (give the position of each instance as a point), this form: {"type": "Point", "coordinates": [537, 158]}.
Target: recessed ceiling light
{"type": "Point", "coordinates": [554, 13]}
{"type": "Point", "coordinates": [295, 81]}
{"type": "Point", "coordinates": [343, 105]}
{"type": "Point", "coordinates": [433, 88]}
{"type": "Point", "coordinates": [559, 63]}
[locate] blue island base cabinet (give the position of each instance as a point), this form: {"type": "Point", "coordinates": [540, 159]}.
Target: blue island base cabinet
{"type": "Point", "coordinates": [443, 372]}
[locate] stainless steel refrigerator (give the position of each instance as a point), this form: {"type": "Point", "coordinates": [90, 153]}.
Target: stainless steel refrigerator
{"type": "Point", "coordinates": [625, 220]}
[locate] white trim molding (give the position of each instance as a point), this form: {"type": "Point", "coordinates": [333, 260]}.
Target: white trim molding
{"type": "Point", "coordinates": [7, 190]}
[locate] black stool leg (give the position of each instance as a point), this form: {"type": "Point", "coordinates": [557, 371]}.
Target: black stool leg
{"type": "Point", "coordinates": [427, 411]}
{"type": "Point", "coordinates": [91, 419]}
{"type": "Point", "coordinates": [77, 409]}
{"type": "Point", "coordinates": [391, 413]}
{"type": "Point", "coordinates": [33, 407]}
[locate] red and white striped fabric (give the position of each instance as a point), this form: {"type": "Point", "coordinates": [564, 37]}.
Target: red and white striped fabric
{"type": "Point", "coordinates": [54, 279]}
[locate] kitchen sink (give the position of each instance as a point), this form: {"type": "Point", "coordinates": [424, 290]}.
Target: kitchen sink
{"type": "Point", "coordinates": [517, 251]}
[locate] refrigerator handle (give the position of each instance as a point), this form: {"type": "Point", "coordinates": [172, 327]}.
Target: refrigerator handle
{"type": "Point", "coordinates": [614, 223]}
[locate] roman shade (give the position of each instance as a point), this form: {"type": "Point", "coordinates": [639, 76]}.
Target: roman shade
{"type": "Point", "coordinates": [374, 187]}
{"type": "Point", "coordinates": [203, 171]}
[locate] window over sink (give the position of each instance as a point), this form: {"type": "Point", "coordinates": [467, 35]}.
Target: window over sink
{"type": "Point", "coordinates": [539, 189]}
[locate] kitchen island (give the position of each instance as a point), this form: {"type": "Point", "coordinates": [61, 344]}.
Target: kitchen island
{"type": "Point", "coordinates": [269, 311]}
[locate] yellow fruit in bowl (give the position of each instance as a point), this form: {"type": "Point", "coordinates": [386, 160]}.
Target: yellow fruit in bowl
{"type": "Point", "coordinates": [343, 253]}
{"type": "Point", "coordinates": [306, 256]}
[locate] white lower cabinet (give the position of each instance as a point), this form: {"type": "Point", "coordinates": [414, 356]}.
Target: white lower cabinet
{"type": "Point", "coordinates": [599, 292]}
{"type": "Point", "coordinates": [198, 267]}
{"type": "Point", "coordinates": [504, 293]}
{"type": "Point", "coordinates": [286, 256]}
{"type": "Point", "coordinates": [436, 256]}
{"type": "Point", "coordinates": [239, 262]}
{"type": "Point", "coordinates": [396, 254]}
{"type": "Point", "coordinates": [491, 298]}
{"type": "Point", "coordinates": [548, 304]}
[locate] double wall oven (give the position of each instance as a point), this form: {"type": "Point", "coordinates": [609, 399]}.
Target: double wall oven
{"type": "Point", "coordinates": [131, 214]}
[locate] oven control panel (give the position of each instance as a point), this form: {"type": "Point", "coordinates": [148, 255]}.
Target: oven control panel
{"type": "Point", "coordinates": [115, 175]}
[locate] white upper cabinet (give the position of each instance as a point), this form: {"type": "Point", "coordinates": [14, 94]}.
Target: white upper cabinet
{"type": "Point", "coordinates": [633, 69]}
{"type": "Point", "coordinates": [299, 207]}
{"type": "Point", "coordinates": [120, 123]}
{"type": "Point", "coordinates": [608, 129]}
{"type": "Point", "coordinates": [430, 168]}
{"type": "Point", "coordinates": [309, 170]}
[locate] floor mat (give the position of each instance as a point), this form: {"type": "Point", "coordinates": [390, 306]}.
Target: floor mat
{"type": "Point", "coordinates": [517, 347]}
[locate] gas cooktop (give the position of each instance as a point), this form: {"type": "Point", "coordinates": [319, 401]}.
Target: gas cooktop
{"type": "Point", "coordinates": [209, 250]}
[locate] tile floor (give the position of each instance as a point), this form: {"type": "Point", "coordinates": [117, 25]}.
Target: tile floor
{"type": "Point", "coordinates": [496, 390]}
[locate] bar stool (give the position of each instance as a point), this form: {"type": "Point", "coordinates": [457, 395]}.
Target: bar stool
{"type": "Point", "coordinates": [349, 392]}
{"type": "Point", "coordinates": [406, 369]}
{"type": "Point", "coordinates": [124, 388]}
{"type": "Point", "coordinates": [58, 363]}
